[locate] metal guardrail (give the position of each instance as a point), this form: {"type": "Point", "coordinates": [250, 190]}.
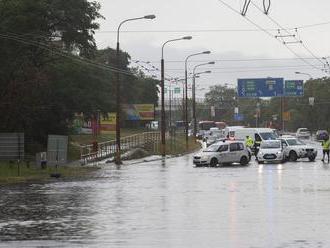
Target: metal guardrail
{"type": "Point", "coordinates": [149, 141]}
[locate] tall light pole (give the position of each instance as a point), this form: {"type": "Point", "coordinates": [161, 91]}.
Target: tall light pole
{"type": "Point", "coordinates": [312, 95]}
{"type": "Point", "coordinates": [162, 85]}
{"type": "Point", "coordinates": [118, 88]}
{"type": "Point", "coordinates": [186, 92]}
{"type": "Point", "coordinates": [194, 94]}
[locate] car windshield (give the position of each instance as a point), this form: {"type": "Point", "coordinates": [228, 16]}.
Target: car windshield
{"type": "Point", "coordinates": [212, 148]}
{"type": "Point", "coordinates": [295, 142]}
{"type": "Point", "coordinates": [268, 136]}
{"type": "Point", "coordinates": [270, 145]}
{"type": "Point", "coordinates": [303, 130]}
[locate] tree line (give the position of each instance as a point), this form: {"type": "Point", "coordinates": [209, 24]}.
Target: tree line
{"type": "Point", "coordinates": [51, 67]}
{"type": "Point", "coordinates": [302, 113]}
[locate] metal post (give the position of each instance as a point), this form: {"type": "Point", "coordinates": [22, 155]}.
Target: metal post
{"type": "Point", "coordinates": [186, 106]}
{"type": "Point", "coordinates": [194, 106]}
{"type": "Point", "coordinates": [118, 110]}
{"type": "Point", "coordinates": [163, 152]}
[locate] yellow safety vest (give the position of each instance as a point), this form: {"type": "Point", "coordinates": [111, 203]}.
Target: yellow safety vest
{"type": "Point", "coordinates": [249, 142]}
{"type": "Point", "coordinates": [326, 145]}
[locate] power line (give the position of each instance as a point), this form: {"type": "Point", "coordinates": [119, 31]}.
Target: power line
{"type": "Point", "coordinates": [63, 54]}
{"type": "Point", "coordinates": [211, 30]}
{"type": "Point", "coordinates": [249, 67]}
{"type": "Point", "coordinates": [268, 33]}
{"type": "Point", "coordinates": [294, 36]}
{"type": "Point", "coordinates": [234, 60]}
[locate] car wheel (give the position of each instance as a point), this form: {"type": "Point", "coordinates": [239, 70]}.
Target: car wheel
{"type": "Point", "coordinates": [311, 158]}
{"type": "Point", "coordinates": [244, 160]}
{"type": "Point", "coordinates": [293, 156]}
{"type": "Point", "coordinates": [213, 162]}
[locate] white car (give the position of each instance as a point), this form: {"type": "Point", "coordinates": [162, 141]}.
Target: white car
{"type": "Point", "coordinates": [303, 133]}
{"type": "Point", "coordinates": [223, 152]}
{"type": "Point", "coordinates": [294, 149]}
{"type": "Point", "coordinates": [270, 151]}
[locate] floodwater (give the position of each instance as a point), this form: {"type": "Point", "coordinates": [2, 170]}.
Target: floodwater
{"type": "Point", "coordinates": [173, 204]}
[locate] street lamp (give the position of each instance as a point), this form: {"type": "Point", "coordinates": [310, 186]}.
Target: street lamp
{"type": "Point", "coordinates": [118, 88]}
{"type": "Point", "coordinates": [162, 85]}
{"type": "Point", "coordinates": [186, 93]}
{"type": "Point", "coordinates": [194, 94]}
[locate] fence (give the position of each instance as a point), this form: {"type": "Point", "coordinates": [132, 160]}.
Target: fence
{"type": "Point", "coordinates": [149, 141]}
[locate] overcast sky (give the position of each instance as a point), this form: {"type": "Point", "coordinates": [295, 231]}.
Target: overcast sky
{"type": "Point", "coordinates": [229, 36]}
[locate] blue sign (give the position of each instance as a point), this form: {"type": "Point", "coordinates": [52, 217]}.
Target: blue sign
{"type": "Point", "coordinates": [260, 87]}
{"type": "Point", "coordinates": [238, 117]}
{"type": "Point", "coordinates": [294, 88]}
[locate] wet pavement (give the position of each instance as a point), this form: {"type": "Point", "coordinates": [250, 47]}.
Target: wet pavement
{"type": "Point", "coordinates": [173, 204]}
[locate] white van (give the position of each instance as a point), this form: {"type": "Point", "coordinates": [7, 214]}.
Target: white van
{"type": "Point", "coordinates": [257, 134]}
{"type": "Point", "coordinates": [229, 132]}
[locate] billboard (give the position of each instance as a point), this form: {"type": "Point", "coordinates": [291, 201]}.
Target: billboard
{"type": "Point", "coordinates": [294, 88]}
{"type": "Point", "coordinates": [260, 87]}
{"type": "Point", "coordinates": [108, 123]}
{"type": "Point", "coordinates": [139, 112]}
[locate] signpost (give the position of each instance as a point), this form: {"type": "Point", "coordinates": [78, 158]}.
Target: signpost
{"type": "Point", "coordinates": [294, 88]}
{"type": "Point", "coordinates": [260, 87]}
{"type": "Point", "coordinates": [271, 87]}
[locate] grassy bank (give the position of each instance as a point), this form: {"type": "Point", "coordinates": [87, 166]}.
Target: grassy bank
{"type": "Point", "coordinates": [10, 173]}
{"type": "Point", "coordinates": [177, 145]}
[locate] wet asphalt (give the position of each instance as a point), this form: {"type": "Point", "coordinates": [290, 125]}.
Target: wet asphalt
{"type": "Point", "coordinates": [171, 203]}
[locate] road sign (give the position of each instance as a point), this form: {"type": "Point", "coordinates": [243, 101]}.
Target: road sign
{"type": "Point", "coordinates": [260, 87]}
{"type": "Point", "coordinates": [294, 88]}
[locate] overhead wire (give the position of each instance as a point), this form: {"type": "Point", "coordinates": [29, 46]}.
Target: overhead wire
{"type": "Point", "coordinates": [211, 30]}
{"type": "Point", "coordinates": [61, 53]}
{"type": "Point", "coordinates": [268, 33]}
{"type": "Point", "coordinates": [289, 33]}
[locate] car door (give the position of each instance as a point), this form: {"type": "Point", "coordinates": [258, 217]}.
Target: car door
{"type": "Point", "coordinates": [285, 147]}
{"type": "Point", "coordinates": [223, 154]}
{"type": "Point", "coordinates": [234, 152]}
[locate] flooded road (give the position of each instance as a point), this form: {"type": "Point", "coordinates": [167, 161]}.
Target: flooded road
{"type": "Point", "coordinates": [173, 204]}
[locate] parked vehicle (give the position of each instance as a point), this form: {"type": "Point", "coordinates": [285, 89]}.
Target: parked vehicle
{"type": "Point", "coordinates": [303, 133]}
{"type": "Point", "coordinates": [223, 152]}
{"type": "Point", "coordinates": [294, 149]}
{"type": "Point", "coordinates": [270, 151]}
{"type": "Point", "coordinates": [203, 128]}
{"type": "Point", "coordinates": [322, 135]}
{"type": "Point", "coordinates": [220, 125]}
{"type": "Point", "coordinates": [213, 136]}
{"type": "Point", "coordinates": [229, 131]}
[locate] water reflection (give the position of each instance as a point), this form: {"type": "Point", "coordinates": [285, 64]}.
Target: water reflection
{"type": "Point", "coordinates": [172, 204]}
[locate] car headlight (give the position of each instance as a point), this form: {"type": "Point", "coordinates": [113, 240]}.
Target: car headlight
{"type": "Point", "coordinates": [278, 153]}
{"type": "Point", "coordinates": [260, 153]}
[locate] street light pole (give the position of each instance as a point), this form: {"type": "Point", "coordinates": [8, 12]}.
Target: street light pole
{"type": "Point", "coordinates": [118, 88]}
{"type": "Point", "coordinates": [162, 85]}
{"type": "Point", "coordinates": [194, 95]}
{"type": "Point", "coordinates": [186, 93]}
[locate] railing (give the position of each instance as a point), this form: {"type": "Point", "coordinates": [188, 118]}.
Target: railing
{"type": "Point", "coordinates": [149, 141]}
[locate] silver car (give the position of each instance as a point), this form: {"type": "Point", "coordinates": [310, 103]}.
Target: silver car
{"type": "Point", "coordinates": [270, 151]}
{"type": "Point", "coordinates": [223, 152]}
